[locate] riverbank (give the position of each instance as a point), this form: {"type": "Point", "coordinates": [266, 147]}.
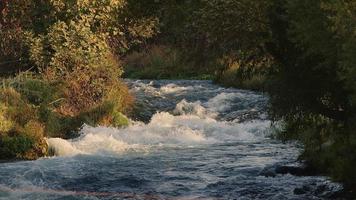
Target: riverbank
{"type": "Point", "coordinates": [33, 108]}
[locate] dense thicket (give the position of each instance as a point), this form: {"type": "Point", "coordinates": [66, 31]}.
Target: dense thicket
{"type": "Point", "coordinates": [313, 81]}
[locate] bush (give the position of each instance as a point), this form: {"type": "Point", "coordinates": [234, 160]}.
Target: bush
{"type": "Point", "coordinates": [21, 133]}
{"type": "Point", "coordinates": [14, 147]}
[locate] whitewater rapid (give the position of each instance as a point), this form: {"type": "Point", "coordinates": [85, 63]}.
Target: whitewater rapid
{"type": "Point", "coordinates": [187, 124]}
{"type": "Point", "coordinates": [164, 129]}
{"type": "Point", "coordinates": [186, 140]}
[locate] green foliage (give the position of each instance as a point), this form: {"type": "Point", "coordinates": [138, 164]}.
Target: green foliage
{"type": "Point", "coordinates": [32, 108]}
{"type": "Point", "coordinates": [228, 78]}
{"type": "Point", "coordinates": [312, 86]}
{"type": "Point", "coordinates": [34, 32]}
{"type": "Point", "coordinates": [13, 51]}
{"type": "Point", "coordinates": [119, 120]}
{"type": "Point", "coordinates": [34, 89]}
{"type": "Point", "coordinates": [228, 24]}
{"type": "Point", "coordinates": [75, 46]}
{"type": "Point", "coordinates": [208, 36]}
{"type": "Point", "coordinates": [14, 147]}
{"type": "Point", "coordinates": [160, 62]}
{"type": "Point", "coordinates": [104, 115]}
{"type": "Point", "coordinates": [302, 52]}
{"type": "Point", "coordinates": [21, 133]}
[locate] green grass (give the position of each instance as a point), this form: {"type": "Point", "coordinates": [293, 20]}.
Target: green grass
{"type": "Point", "coordinates": [31, 109]}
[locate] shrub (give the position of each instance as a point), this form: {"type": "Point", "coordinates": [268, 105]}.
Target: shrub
{"type": "Point", "coordinates": [82, 72]}
{"type": "Point", "coordinates": [21, 134]}
{"type": "Point", "coordinates": [14, 147]}
{"type": "Point", "coordinates": [35, 131]}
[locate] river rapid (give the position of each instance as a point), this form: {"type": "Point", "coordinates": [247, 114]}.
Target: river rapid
{"type": "Point", "coordinates": [187, 140]}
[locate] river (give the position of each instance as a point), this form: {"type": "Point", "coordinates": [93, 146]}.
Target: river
{"type": "Point", "coordinates": [187, 140]}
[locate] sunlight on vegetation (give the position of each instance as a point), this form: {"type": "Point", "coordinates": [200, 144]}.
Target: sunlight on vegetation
{"type": "Point", "coordinates": [61, 64]}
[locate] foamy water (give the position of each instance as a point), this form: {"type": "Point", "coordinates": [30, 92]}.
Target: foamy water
{"type": "Point", "coordinates": [187, 140]}
{"type": "Point", "coordinates": [189, 124]}
{"type": "Point", "coordinates": [164, 130]}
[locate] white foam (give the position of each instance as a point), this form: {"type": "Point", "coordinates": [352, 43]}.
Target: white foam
{"type": "Point", "coordinates": [173, 88]}
{"type": "Point", "coordinates": [220, 102]}
{"type": "Point", "coordinates": [223, 101]}
{"type": "Point", "coordinates": [196, 108]}
{"type": "Point", "coordinates": [164, 130]}
{"type": "Point", "coordinates": [61, 147]}
{"type": "Point", "coordinates": [146, 88]}
{"type": "Point", "coordinates": [192, 123]}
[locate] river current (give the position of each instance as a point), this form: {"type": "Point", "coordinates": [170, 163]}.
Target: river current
{"type": "Point", "coordinates": [187, 140]}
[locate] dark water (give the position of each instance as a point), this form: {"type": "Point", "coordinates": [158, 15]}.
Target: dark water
{"type": "Point", "coordinates": [200, 141]}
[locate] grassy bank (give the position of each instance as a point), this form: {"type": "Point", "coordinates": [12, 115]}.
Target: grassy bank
{"type": "Point", "coordinates": [32, 108]}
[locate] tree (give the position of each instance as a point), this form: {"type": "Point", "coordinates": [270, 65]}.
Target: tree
{"type": "Point", "coordinates": [313, 84]}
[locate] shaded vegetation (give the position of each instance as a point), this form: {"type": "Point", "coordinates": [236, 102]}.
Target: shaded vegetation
{"type": "Point", "coordinates": [218, 39]}
{"type": "Point", "coordinates": [162, 62]}
{"type": "Point", "coordinates": [310, 87]}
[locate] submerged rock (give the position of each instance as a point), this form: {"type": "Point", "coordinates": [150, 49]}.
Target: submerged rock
{"type": "Point", "coordinates": [293, 170]}
{"type": "Point", "coordinates": [301, 170]}
{"type": "Point", "coordinates": [299, 191]}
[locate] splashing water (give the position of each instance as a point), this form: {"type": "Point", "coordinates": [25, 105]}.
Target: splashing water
{"type": "Point", "coordinates": [189, 140]}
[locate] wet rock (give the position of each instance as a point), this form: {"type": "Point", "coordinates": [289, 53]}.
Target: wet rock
{"type": "Point", "coordinates": [321, 189]}
{"type": "Point", "coordinates": [293, 170]}
{"type": "Point", "coordinates": [303, 190]}
{"type": "Point", "coordinates": [332, 192]}
{"type": "Point", "coordinates": [273, 171]}
{"type": "Point", "coordinates": [268, 172]}
{"type": "Point", "coordinates": [344, 194]}
{"type": "Point", "coordinates": [299, 191]}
